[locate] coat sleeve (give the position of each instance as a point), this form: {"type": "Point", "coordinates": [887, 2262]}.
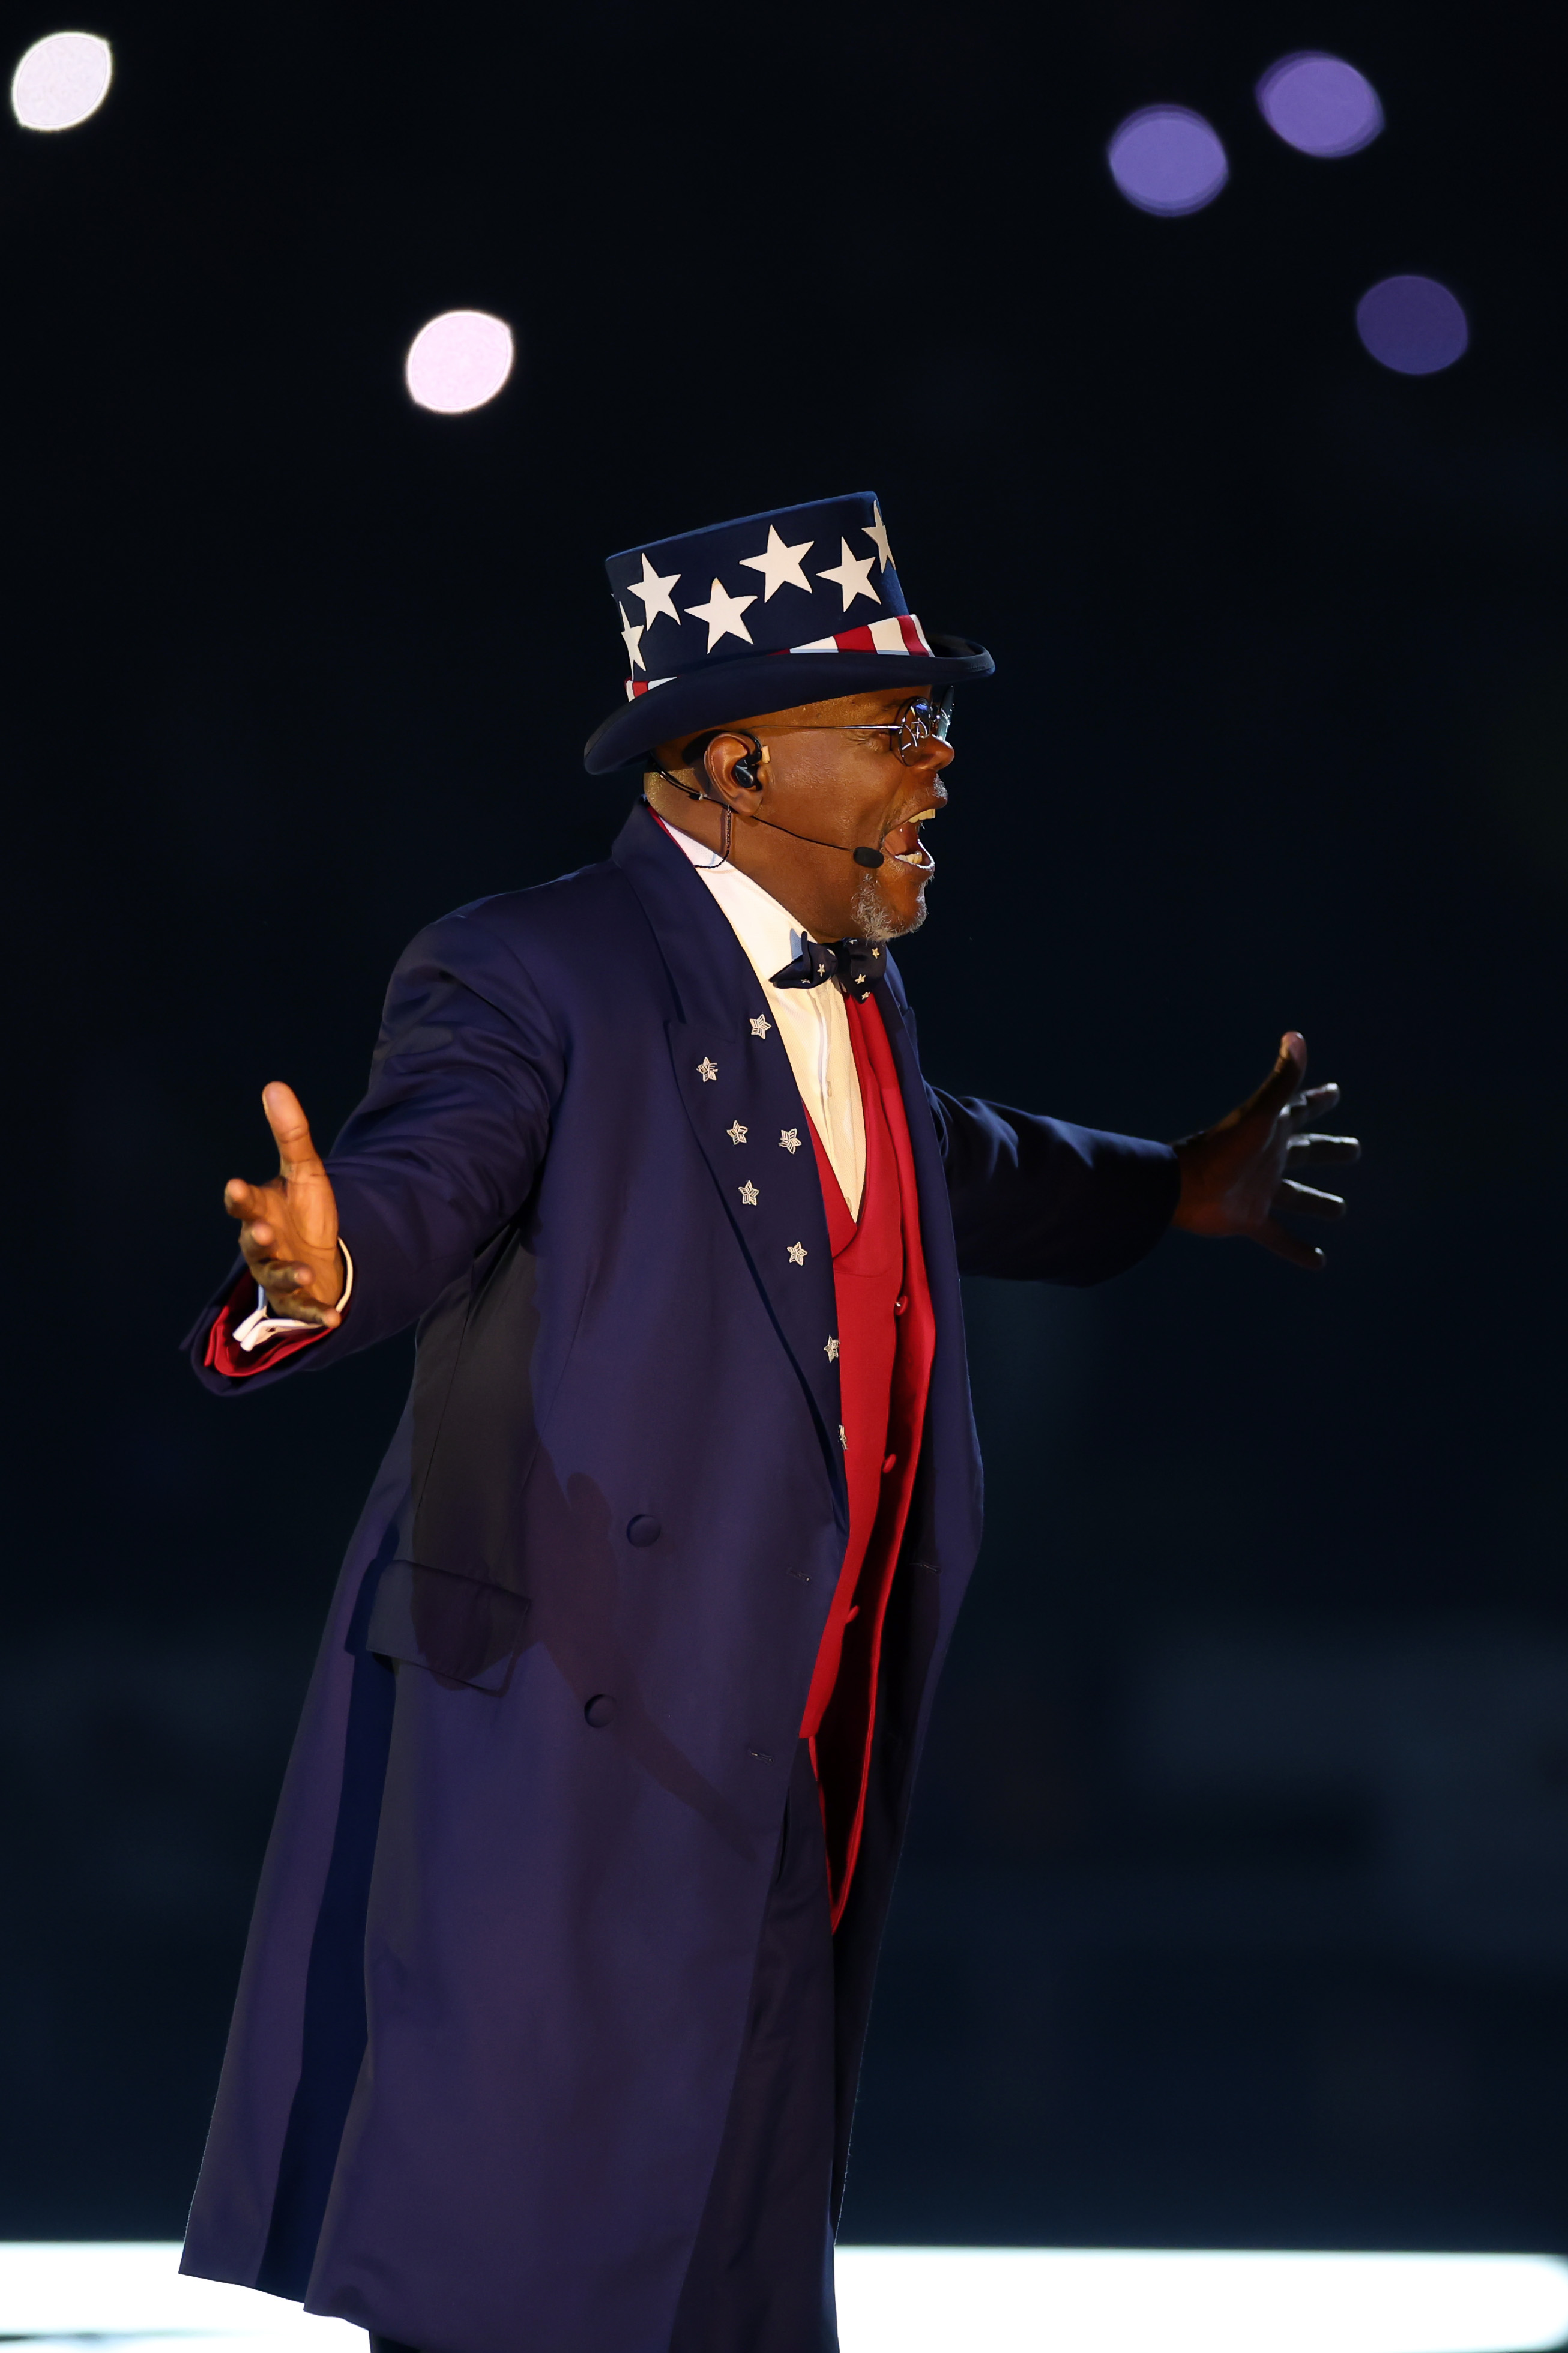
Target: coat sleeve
{"type": "Point", "coordinates": [443, 1152]}
{"type": "Point", "coordinates": [1038, 1200]}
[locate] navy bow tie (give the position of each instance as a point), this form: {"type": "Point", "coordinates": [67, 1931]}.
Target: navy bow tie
{"type": "Point", "coordinates": [856, 963]}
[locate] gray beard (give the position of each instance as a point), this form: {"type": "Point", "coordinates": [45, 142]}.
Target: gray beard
{"type": "Point", "coordinates": [874, 918]}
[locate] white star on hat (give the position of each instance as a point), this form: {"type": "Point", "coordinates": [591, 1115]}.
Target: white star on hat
{"type": "Point", "coordinates": [780, 566]}
{"type": "Point", "coordinates": [878, 531]}
{"type": "Point", "coordinates": [655, 594]}
{"type": "Point", "coordinates": [853, 575]}
{"type": "Point", "coordinates": [632, 632]}
{"type": "Point", "coordinates": [723, 614]}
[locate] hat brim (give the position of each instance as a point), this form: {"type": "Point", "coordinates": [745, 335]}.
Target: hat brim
{"type": "Point", "coordinates": [731, 690]}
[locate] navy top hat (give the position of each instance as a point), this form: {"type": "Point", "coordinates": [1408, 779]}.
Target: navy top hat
{"type": "Point", "coordinates": [764, 613]}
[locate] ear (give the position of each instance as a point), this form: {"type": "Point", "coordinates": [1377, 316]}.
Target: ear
{"type": "Point", "coordinates": [731, 762]}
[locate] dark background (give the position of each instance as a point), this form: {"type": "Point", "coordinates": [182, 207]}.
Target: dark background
{"type": "Point", "coordinates": [1237, 1910]}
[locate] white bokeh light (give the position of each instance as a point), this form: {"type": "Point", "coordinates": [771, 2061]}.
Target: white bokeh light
{"type": "Point", "coordinates": [458, 362]}
{"type": "Point", "coordinates": [61, 80]}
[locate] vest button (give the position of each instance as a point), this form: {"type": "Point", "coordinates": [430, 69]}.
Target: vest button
{"type": "Point", "coordinates": [891, 1464]}
{"type": "Point", "coordinates": [600, 1710]}
{"type": "Point", "coordinates": [900, 1305]}
{"type": "Point", "coordinates": [642, 1531]}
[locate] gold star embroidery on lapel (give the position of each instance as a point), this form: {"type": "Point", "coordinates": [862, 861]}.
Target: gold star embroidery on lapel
{"type": "Point", "coordinates": [831, 1348]}
{"type": "Point", "coordinates": [735, 1132]}
{"type": "Point", "coordinates": [761, 1025]}
{"type": "Point", "coordinates": [707, 1070]}
{"type": "Point", "coordinates": [750, 1195]}
{"type": "Point", "coordinates": [796, 1254]}
{"type": "Point", "coordinates": [789, 1139]}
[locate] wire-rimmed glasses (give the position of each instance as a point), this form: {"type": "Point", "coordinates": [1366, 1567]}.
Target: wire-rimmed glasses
{"type": "Point", "coordinates": [921, 720]}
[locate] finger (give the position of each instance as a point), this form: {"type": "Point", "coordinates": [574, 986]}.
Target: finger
{"type": "Point", "coordinates": [1314, 1102]}
{"type": "Point", "coordinates": [1302, 1151]}
{"type": "Point", "coordinates": [290, 1128]}
{"type": "Point", "coordinates": [289, 1288]}
{"type": "Point", "coordinates": [1284, 1078]}
{"type": "Point", "coordinates": [243, 1200]}
{"type": "Point", "coordinates": [1307, 1201]}
{"type": "Point", "coordinates": [257, 1244]}
{"type": "Point", "coordinates": [1286, 1245]}
{"type": "Point", "coordinates": [306, 1311]}
{"type": "Point", "coordinates": [285, 1278]}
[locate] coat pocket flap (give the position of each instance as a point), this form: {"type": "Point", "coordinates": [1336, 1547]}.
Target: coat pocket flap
{"type": "Point", "coordinates": [461, 1628]}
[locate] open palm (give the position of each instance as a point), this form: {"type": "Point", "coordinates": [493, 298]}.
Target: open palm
{"type": "Point", "coordinates": [1239, 1174]}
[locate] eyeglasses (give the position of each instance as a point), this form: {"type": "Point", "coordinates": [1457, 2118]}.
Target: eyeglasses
{"type": "Point", "coordinates": [917, 723]}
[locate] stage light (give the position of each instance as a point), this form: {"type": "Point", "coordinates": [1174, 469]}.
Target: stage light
{"type": "Point", "coordinates": [61, 80]}
{"type": "Point", "coordinates": [1412, 324]}
{"type": "Point", "coordinates": [458, 362]}
{"type": "Point", "coordinates": [1166, 158]}
{"type": "Point", "coordinates": [1320, 104]}
{"type": "Point", "coordinates": [1090, 2300]}
{"type": "Point", "coordinates": [131, 2298]}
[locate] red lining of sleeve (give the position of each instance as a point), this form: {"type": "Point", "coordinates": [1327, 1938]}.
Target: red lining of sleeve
{"type": "Point", "coordinates": [224, 1352]}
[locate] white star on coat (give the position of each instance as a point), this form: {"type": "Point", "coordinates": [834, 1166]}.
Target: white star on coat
{"type": "Point", "coordinates": [780, 566]}
{"type": "Point", "coordinates": [789, 1138]}
{"type": "Point", "coordinates": [707, 1070]}
{"type": "Point", "coordinates": [632, 632]}
{"type": "Point", "coordinates": [735, 1132]}
{"type": "Point", "coordinates": [832, 1348]}
{"type": "Point", "coordinates": [655, 594]}
{"type": "Point", "coordinates": [723, 614]}
{"type": "Point", "coordinates": [853, 574]}
{"type": "Point", "coordinates": [749, 1193]}
{"type": "Point", "coordinates": [796, 1254]}
{"type": "Point", "coordinates": [761, 1025]}
{"type": "Point", "coordinates": [878, 531]}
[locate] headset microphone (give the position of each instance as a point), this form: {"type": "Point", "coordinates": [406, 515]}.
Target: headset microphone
{"type": "Point", "coordinates": [743, 773]}
{"type": "Point", "coordinates": [864, 856]}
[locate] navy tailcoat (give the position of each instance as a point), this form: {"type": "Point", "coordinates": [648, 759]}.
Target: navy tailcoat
{"type": "Point", "coordinates": [496, 1985]}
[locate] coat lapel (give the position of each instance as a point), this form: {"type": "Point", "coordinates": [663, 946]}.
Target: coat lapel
{"type": "Point", "coordinates": [745, 1110]}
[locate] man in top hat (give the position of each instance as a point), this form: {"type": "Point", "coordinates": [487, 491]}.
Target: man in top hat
{"type": "Point", "coordinates": [551, 2018]}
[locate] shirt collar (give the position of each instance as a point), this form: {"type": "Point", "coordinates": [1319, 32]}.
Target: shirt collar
{"type": "Point", "coordinates": [767, 931]}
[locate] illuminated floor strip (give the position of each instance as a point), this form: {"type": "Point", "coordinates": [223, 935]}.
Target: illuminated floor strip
{"type": "Point", "coordinates": [902, 2300]}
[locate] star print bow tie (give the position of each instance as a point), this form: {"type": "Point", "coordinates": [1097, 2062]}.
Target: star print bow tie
{"type": "Point", "coordinates": [856, 963]}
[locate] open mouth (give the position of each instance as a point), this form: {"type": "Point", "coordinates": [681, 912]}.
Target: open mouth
{"type": "Point", "coordinates": [903, 842]}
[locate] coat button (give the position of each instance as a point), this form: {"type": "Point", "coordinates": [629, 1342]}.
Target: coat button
{"type": "Point", "coordinates": [900, 1305]}
{"type": "Point", "coordinates": [891, 1464]}
{"type": "Point", "coordinates": [642, 1531]}
{"type": "Point", "coordinates": [600, 1710]}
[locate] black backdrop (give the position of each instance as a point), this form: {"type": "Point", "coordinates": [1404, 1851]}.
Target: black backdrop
{"type": "Point", "coordinates": [1237, 1908]}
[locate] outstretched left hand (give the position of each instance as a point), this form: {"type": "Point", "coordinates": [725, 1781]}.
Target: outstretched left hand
{"type": "Point", "coordinates": [1233, 1178]}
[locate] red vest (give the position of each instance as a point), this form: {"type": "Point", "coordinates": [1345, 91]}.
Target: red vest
{"type": "Point", "coordinates": [886, 1336]}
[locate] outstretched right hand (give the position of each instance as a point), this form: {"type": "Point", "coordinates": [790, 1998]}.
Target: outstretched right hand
{"type": "Point", "coordinates": [289, 1229]}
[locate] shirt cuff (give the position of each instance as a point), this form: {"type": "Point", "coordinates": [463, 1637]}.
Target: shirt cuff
{"type": "Point", "coordinates": [258, 1326]}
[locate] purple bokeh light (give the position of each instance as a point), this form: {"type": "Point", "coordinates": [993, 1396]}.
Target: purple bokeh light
{"type": "Point", "coordinates": [1320, 104]}
{"type": "Point", "coordinates": [1412, 324]}
{"type": "Point", "coordinates": [1167, 159]}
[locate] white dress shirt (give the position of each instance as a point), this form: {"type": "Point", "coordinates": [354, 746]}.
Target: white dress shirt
{"type": "Point", "coordinates": [813, 1022]}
